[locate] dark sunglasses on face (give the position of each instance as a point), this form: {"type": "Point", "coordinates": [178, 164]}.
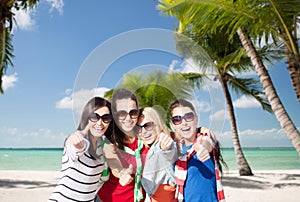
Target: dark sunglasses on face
{"type": "Point", "coordinates": [188, 117]}
{"type": "Point", "coordinates": [148, 126]}
{"type": "Point", "coordinates": [94, 117]}
{"type": "Point", "coordinates": [134, 113]}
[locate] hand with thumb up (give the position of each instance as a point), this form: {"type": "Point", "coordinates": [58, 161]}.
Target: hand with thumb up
{"type": "Point", "coordinates": [165, 141]}
{"type": "Point", "coordinates": [76, 139]}
{"type": "Point", "coordinates": [203, 147]}
{"type": "Point", "coordinates": [125, 175]}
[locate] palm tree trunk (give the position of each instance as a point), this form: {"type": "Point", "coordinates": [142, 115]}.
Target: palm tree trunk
{"type": "Point", "coordinates": [2, 48]}
{"type": "Point", "coordinates": [278, 108]}
{"type": "Point", "coordinates": [293, 61]}
{"type": "Point", "coordinates": [243, 166]}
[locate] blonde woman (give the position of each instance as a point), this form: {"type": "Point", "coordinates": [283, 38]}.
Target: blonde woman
{"type": "Point", "coordinates": [158, 172]}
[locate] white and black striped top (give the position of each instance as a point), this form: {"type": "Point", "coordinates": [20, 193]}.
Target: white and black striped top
{"type": "Point", "coordinates": [80, 174]}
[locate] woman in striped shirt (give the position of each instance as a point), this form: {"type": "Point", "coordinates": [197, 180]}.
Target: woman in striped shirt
{"type": "Point", "coordinates": [83, 163]}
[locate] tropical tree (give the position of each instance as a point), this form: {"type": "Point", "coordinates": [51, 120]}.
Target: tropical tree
{"type": "Point", "coordinates": [277, 19]}
{"type": "Point", "coordinates": [228, 59]}
{"type": "Point", "coordinates": [245, 19]}
{"type": "Point", "coordinates": [287, 17]}
{"type": "Point", "coordinates": [157, 89]}
{"type": "Point", "coordinates": [6, 25]}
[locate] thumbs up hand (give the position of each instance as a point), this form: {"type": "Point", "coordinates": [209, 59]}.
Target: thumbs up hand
{"type": "Point", "coordinates": [165, 141]}
{"type": "Point", "coordinates": [76, 139]}
{"type": "Point", "coordinates": [202, 147]}
{"type": "Point", "coordinates": [125, 175]}
{"type": "Point", "coordinates": [207, 143]}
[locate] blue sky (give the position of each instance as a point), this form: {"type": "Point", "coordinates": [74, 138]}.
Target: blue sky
{"type": "Point", "coordinates": [68, 51]}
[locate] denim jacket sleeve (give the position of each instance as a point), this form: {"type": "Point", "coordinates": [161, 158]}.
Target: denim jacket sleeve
{"type": "Point", "coordinates": [159, 168]}
{"type": "Point", "coordinates": [170, 155]}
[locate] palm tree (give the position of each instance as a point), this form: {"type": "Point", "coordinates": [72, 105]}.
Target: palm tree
{"type": "Point", "coordinates": [287, 15]}
{"type": "Point", "coordinates": [276, 19]}
{"type": "Point", "coordinates": [158, 89]}
{"type": "Point", "coordinates": [241, 18]}
{"type": "Point", "coordinates": [229, 59]}
{"type": "Point", "coordinates": [6, 25]}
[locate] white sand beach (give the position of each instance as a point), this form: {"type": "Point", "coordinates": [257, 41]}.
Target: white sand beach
{"type": "Point", "coordinates": [275, 186]}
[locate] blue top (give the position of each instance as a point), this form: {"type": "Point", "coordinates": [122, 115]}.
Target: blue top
{"type": "Point", "coordinates": [200, 184]}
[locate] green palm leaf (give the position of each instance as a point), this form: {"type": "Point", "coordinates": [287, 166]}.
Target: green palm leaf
{"type": "Point", "coordinates": [6, 24]}
{"type": "Point", "coordinates": [250, 88]}
{"type": "Point", "coordinates": [6, 54]}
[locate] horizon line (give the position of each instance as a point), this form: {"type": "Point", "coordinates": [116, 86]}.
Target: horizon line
{"type": "Point", "coordinates": [59, 148]}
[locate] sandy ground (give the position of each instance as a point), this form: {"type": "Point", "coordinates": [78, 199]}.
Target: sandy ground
{"type": "Point", "coordinates": [275, 186]}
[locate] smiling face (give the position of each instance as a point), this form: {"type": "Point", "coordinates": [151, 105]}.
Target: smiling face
{"type": "Point", "coordinates": [186, 129]}
{"type": "Point", "coordinates": [127, 105]}
{"type": "Point", "coordinates": [148, 130]}
{"type": "Point", "coordinates": [98, 128]}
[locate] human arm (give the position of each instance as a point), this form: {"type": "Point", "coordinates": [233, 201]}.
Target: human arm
{"type": "Point", "coordinates": [115, 165]}
{"type": "Point", "coordinates": [112, 159]}
{"type": "Point", "coordinates": [76, 143]}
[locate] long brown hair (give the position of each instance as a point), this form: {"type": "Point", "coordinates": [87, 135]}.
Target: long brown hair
{"type": "Point", "coordinates": [119, 136]}
{"type": "Point", "coordinates": [91, 106]}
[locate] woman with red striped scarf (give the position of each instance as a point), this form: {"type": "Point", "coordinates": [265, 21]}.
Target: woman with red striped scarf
{"type": "Point", "coordinates": [197, 168]}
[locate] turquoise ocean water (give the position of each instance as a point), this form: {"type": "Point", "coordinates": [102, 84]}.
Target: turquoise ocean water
{"type": "Point", "coordinates": [50, 159]}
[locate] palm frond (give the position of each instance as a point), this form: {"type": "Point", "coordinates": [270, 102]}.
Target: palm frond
{"type": "Point", "coordinates": [262, 18]}
{"type": "Point", "coordinates": [174, 80]}
{"type": "Point", "coordinates": [108, 94]}
{"type": "Point", "coordinates": [8, 49]}
{"type": "Point", "coordinates": [189, 48]}
{"type": "Point", "coordinates": [272, 53]}
{"type": "Point", "coordinates": [250, 87]}
{"type": "Point", "coordinates": [155, 89]}
{"type": "Point", "coordinates": [132, 81]}
{"type": "Point", "coordinates": [27, 4]}
{"type": "Point", "coordinates": [195, 79]}
{"type": "Point", "coordinates": [6, 54]}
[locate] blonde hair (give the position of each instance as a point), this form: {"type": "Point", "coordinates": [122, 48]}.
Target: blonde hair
{"type": "Point", "coordinates": [153, 115]}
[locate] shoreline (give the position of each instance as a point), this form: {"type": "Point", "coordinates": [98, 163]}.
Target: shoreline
{"type": "Point", "coordinates": [264, 185]}
{"type": "Point", "coordinates": [61, 148]}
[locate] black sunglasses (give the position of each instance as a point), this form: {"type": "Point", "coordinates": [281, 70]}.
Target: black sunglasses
{"type": "Point", "coordinates": [188, 117]}
{"type": "Point", "coordinates": [148, 126]}
{"type": "Point", "coordinates": [94, 117]}
{"type": "Point", "coordinates": [134, 113]}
